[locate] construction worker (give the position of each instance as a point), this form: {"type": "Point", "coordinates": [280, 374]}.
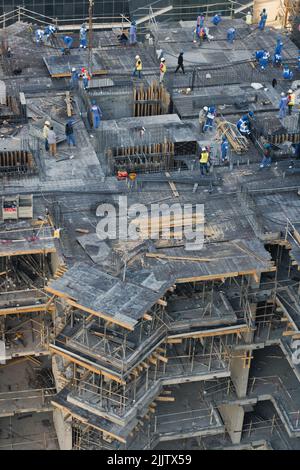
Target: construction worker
{"type": "Point", "coordinates": [259, 54]}
{"type": "Point", "coordinates": [202, 117]}
{"type": "Point", "coordinates": [267, 156]}
{"type": "Point", "coordinates": [162, 69]}
{"type": "Point", "coordinates": [39, 36]}
{"type": "Point", "coordinates": [299, 60]}
{"type": "Point", "coordinates": [52, 142]}
{"type": "Point", "coordinates": [204, 158]}
{"type": "Point", "coordinates": [279, 46]}
{"type": "Point", "coordinates": [243, 126]}
{"type": "Point", "coordinates": [231, 35]}
{"type": "Point", "coordinates": [180, 63]}
{"type": "Point", "coordinates": [138, 67]}
{"type": "Point", "coordinates": [68, 41]}
{"type": "Point", "coordinates": [210, 116]}
{"type": "Point", "coordinates": [216, 19]}
{"type": "Point", "coordinates": [85, 78]}
{"type": "Point", "coordinates": [19, 338]}
{"type": "Point", "coordinates": [224, 149]}
{"type": "Point", "coordinates": [69, 131]}
{"type": "Point", "coordinates": [83, 36]}
{"type": "Point", "coordinates": [249, 18]}
{"type": "Point", "coordinates": [277, 60]}
{"type": "Point", "coordinates": [283, 106]}
{"type": "Point", "coordinates": [74, 78]}
{"type": "Point", "coordinates": [264, 60]}
{"type": "Point", "coordinates": [123, 37]}
{"type": "Point", "coordinates": [96, 114]}
{"type": "Point", "coordinates": [45, 134]}
{"type": "Point", "coordinates": [290, 101]}
{"type": "Point", "coordinates": [132, 33]}
{"type": "Point", "coordinates": [263, 19]}
{"type": "Point", "coordinates": [287, 73]}
{"type": "Point", "coordinates": [50, 30]}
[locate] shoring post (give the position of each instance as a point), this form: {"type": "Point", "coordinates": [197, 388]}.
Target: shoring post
{"type": "Point", "coordinates": [297, 419]}
{"type": "Point", "coordinates": [4, 17]}
{"type": "Point", "coordinates": [19, 13]}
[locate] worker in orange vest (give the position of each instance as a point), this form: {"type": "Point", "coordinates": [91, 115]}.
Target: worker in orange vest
{"type": "Point", "coordinates": [162, 69]}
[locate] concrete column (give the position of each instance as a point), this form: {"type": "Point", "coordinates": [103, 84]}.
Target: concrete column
{"type": "Point", "coordinates": [63, 430]}
{"type": "Point", "coordinates": [240, 373]}
{"type": "Point", "coordinates": [272, 7]}
{"type": "Point", "coordinates": [233, 417]}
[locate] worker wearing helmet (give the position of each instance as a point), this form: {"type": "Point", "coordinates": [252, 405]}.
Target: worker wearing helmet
{"type": "Point", "coordinates": [204, 158]}
{"type": "Point", "coordinates": [283, 105]}
{"type": "Point", "coordinates": [138, 67]}
{"type": "Point", "coordinates": [290, 101]}
{"type": "Point", "coordinates": [45, 134]}
{"type": "Point", "coordinates": [162, 69]}
{"type": "Point", "coordinates": [224, 149]}
{"type": "Point", "coordinates": [249, 18]}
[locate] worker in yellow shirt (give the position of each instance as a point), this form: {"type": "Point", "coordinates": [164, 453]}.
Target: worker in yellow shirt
{"type": "Point", "coordinates": [162, 69]}
{"type": "Point", "coordinates": [204, 158]}
{"type": "Point", "coordinates": [138, 67]}
{"type": "Point", "coordinates": [249, 18]}
{"type": "Point", "coordinates": [291, 101]}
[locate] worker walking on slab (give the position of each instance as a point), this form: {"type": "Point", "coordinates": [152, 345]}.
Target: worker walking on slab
{"type": "Point", "coordinates": [202, 117]}
{"type": "Point", "coordinates": [263, 19]}
{"type": "Point", "coordinates": [204, 158]}
{"type": "Point", "coordinates": [283, 106]}
{"type": "Point", "coordinates": [85, 78]}
{"type": "Point", "coordinates": [138, 67]}
{"type": "Point", "coordinates": [39, 36]}
{"type": "Point", "coordinates": [224, 149]}
{"type": "Point", "coordinates": [162, 69]}
{"type": "Point", "coordinates": [50, 30]}
{"type": "Point", "coordinates": [96, 115]}
{"type": "Point", "coordinates": [83, 36]}
{"type": "Point", "coordinates": [74, 80]}
{"type": "Point", "coordinates": [132, 33]}
{"type": "Point", "coordinates": [45, 134]}
{"type": "Point", "coordinates": [69, 131]}
{"type": "Point", "coordinates": [290, 101]}
{"type": "Point", "coordinates": [180, 63]}
{"type": "Point", "coordinates": [52, 142]}
{"type": "Point", "coordinates": [210, 117]}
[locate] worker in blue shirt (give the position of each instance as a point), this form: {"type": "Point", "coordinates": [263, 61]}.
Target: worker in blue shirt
{"type": "Point", "coordinates": [83, 36]}
{"type": "Point", "coordinates": [49, 31]}
{"type": "Point", "coordinates": [264, 60]}
{"type": "Point", "coordinates": [210, 117]}
{"type": "Point", "coordinates": [277, 60]}
{"type": "Point", "coordinates": [231, 35]}
{"type": "Point", "coordinates": [132, 33]}
{"type": "Point", "coordinates": [96, 114]}
{"type": "Point", "coordinates": [216, 19]}
{"type": "Point", "coordinates": [287, 73]}
{"type": "Point", "coordinates": [224, 149]}
{"type": "Point", "coordinates": [68, 41]}
{"type": "Point", "coordinates": [263, 19]}
{"type": "Point", "coordinates": [283, 105]}
{"type": "Point", "coordinates": [279, 46]}
{"type": "Point", "coordinates": [74, 78]}
{"type": "Point", "coordinates": [39, 36]}
{"type": "Point", "coordinates": [259, 54]}
{"type": "Point", "coordinates": [243, 126]}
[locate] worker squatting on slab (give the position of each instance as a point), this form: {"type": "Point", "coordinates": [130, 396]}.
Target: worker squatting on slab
{"type": "Point", "coordinates": [138, 67]}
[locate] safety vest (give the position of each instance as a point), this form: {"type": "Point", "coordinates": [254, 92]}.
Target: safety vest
{"type": "Point", "coordinates": [163, 67]}
{"type": "Point", "coordinates": [138, 64]}
{"type": "Point", "coordinates": [291, 99]}
{"type": "Point", "coordinates": [204, 157]}
{"type": "Point", "coordinates": [249, 19]}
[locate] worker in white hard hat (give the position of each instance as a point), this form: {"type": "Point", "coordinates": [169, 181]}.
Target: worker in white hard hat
{"type": "Point", "coordinates": [203, 160]}
{"type": "Point", "coordinates": [202, 117]}
{"type": "Point", "coordinates": [249, 18]}
{"type": "Point", "coordinates": [290, 101]}
{"type": "Point", "coordinates": [138, 67]}
{"type": "Point", "coordinates": [74, 78]}
{"type": "Point", "coordinates": [162, 69]}
{"type": "Point", "coordinates": [45, 134]}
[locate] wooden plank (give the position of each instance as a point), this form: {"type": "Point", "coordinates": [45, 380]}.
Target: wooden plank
{"type": "Point", "coordinates": [172, 185]}
{"type": "Point", "coordinates": [165, 399]}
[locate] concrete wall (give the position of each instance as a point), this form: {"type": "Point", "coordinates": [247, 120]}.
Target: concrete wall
{"type": "Point", "coordinates": [63, 430]}
{"type": "Point", "coordinates": [233, 417]}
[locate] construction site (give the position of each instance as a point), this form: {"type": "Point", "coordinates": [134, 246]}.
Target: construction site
{"type": "Point", "coordinates": [150, 343]}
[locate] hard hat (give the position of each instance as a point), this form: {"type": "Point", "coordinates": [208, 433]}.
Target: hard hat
{"type": "Point", "coordinates": [251, 113]}
{"type": "Point", "coordinates": [47, 123]}
{"type": "Point", "coordinates": [203, 149]}
{"type": "Point", "coordinates": [249, 13]}
{"type": "Point", "coordinates": [162, 59]}
{"type": "Point", "coordinates": [205, 108]}
{"type": "Point", "coordinates": [73, 69]}
{"type": "Point", "coordinates": [290, 91]}
{"type": "Point", "coordinates": [282, 94]}
{"type": "Point", "coordinates": [137, 57]}
{"type": "Point", "coordinates": [83, 69]}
